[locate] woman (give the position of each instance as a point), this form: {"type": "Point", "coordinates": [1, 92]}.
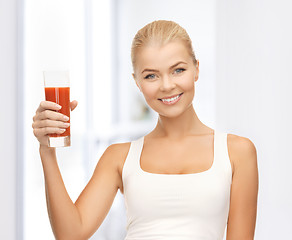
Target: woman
{"type": "Point", "coordinates": [183, 180]}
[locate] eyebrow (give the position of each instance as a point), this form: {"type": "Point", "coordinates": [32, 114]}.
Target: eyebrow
{"type": "Point", "coordinates": [154, 70]}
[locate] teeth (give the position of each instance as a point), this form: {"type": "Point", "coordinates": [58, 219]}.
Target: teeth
{"type": "Point", "coordinates": [170, 99]}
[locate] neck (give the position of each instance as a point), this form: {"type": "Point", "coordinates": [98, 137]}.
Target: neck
{"type": "Point", "coordinates": [181, 126]}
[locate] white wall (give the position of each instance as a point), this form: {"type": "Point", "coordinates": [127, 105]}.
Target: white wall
{"type": "Point", "coordinates": [8, 100]}
{"type": "Point", "coordinates": [54, 38]}
{"type": "Point", "coordinates": [254, 78]}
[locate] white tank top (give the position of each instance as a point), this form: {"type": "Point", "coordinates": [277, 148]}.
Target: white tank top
{"type": "Point", "coordinates": [177, 206]}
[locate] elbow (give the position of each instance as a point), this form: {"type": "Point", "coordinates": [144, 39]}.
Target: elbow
{"type": "Point", "coordinates": [71, 236]}
{"type": "Point", "coordinates": [240, 238]}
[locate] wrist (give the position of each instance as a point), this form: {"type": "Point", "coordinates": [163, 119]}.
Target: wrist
{"type": "Point", "coordinates": [43, 149]}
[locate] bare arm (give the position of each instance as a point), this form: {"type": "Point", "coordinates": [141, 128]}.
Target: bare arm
{"type": "Point", "coordinates": [244, 190]}
{"type": "Point", "coordinates": [63, 214]}
{"type": "Point", "coordinates": [96, 199]}
{"type": "Point", "coordinates": [82, 219]}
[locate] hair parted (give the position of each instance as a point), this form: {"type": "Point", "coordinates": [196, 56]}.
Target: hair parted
{"type": "Point", "coordinates": [160, 32]}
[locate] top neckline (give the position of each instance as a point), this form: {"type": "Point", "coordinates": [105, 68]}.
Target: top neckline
{"type": "Point", "coordinates": [178, 175]}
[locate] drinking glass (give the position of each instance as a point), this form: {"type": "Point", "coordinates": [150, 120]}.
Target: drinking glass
{"type": "Point", "coordinates": [57, 89]}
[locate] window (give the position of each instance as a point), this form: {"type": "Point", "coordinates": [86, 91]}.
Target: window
{"type": "Point", "coordinates": [78, 36]}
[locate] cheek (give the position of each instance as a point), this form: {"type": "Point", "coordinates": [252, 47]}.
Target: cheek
{"type": "Point", "coordinates": [148, 90]}
{"type": "Point", "coordinates": [188, 83]}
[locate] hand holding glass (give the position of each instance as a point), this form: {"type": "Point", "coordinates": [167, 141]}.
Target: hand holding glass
{"type": "Point", "coordinates": [57, 89]}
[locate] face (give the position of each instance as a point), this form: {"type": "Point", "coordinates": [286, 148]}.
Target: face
{"type": "Point", "coordinates": [166, 75]}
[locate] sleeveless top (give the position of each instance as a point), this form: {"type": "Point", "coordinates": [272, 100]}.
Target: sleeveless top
{"type": "Point", "coordinates": [191, 206]}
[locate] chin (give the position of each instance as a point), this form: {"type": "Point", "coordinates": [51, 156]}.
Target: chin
{"type": "Point", "coordinates": [171, 113]}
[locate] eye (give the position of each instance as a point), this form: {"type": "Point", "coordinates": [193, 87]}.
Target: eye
{"type": "Point", "coordinates": [179, 70]}
{"type": "Point", "coordinates": [150, 76]}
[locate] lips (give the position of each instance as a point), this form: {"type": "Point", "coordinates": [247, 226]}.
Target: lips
{"type": "Point", "coordinates": [170, 96]}
{"type": "Point", "coordinates": [171, 101]}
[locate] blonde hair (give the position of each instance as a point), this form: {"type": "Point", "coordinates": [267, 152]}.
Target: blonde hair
{"type": "Point", "coordinates": [160, 32]}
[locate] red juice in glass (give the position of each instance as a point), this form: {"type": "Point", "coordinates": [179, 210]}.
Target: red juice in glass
{"type": "Point", "coordinates": [57, 90]}
{"type": "Point", "coordinates": [61, 96]}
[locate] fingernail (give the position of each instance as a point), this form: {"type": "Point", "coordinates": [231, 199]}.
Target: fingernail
{"type": "Point", "coordinates": [58, 106]}
{"type": "Point", "coordinates": [66, 118]}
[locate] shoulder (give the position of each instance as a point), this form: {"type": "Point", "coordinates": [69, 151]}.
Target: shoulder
{"type": "Point", "coordinates": [119, 152]}
{"type": "Point", "coordinates": [114, 157]}
{"type": "Point", "coordinates": [241, 144]}
{"type": "Point", "coordinates": [241, 150]}
{"type": "Point", "coordinates": [244, 188]}
{"type": "Point", "coordinates": [119, 148]}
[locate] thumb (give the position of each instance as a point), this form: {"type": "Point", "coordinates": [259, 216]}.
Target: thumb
{"type": "Point", "coordinates": [73, 105]}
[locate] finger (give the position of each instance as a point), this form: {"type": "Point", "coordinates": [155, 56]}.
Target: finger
{"type": "Point", "coordinates": [73, 105]}
{"type": "Point", "coordinates": [49, 114]}
{"type": "Point", "coordinates": [47, 130]}
{"type": "Point", "coordinates": [50, 123]}
{"type": "Point", "coordinates": [44, 105]}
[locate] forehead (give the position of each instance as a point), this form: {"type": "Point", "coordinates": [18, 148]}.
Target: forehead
{"type": "Point", "coordinates": [162, 56]}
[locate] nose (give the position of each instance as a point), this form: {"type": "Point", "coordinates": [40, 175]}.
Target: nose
{"type": "Point", "coordinates": [167, 84]}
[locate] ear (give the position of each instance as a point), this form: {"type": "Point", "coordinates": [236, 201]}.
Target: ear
{"type": "Point", "coordinates": [134, 76]}
{"type": "Point", "coordinates": [197, 71]}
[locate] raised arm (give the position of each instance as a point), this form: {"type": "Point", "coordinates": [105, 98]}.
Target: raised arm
{"type": "Point", "coordinates": [82, 219]}
{"type": "Point", "coordinates": [244, 189]}
{"type": "Point", "coordinates": [97, 197]}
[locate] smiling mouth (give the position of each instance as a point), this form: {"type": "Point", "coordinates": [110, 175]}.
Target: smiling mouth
{"type": "Point", "coordinates": [170, 99]}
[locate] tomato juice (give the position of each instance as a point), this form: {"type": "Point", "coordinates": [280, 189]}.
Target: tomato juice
{"type": "Point", "coordinates": [61, 96]}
